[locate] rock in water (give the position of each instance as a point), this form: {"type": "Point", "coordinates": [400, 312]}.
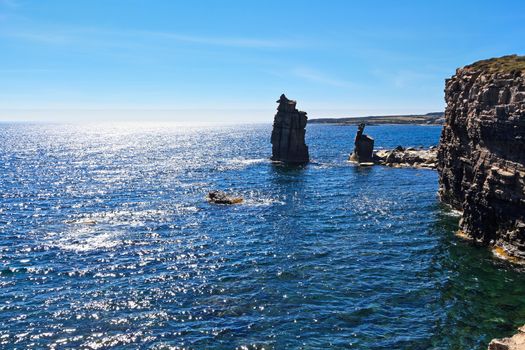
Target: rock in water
{"type": "Point", "coordinates": [288, 145]}
{"type": "Point", "coordinates": [516, 342]}
{"type": "Point", "coordinates": [219, 197]}
{"type": "Point", "coordinates": [400, 157]}
{"type": "Point", "coordinates": [364, 147]}
{"type": "Point", "coordinates": [481, 156]}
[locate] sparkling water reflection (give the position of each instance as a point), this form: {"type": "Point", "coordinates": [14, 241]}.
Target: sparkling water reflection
{"type": "Point", "coordinates": [107, 242]}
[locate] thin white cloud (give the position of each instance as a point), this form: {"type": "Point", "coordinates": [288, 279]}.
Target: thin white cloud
{"type": "Point", "coordinates": [226, 41]}
{"type": "Point", "coordinates": [45, 38]}
{"type": "Point", "coordinates": [404, 78]}
{"type": "Point", "coordinates": [320, 77]}
{"type": "Point", "coordinates": [9, 3]}
{"type": "Point", "coordinates": [60, 35]}
{"type": "Point", "coordinates": [27, 71]}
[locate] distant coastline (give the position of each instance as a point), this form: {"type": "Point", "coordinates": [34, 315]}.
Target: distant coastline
{"type": "Point", "coordinates": [434, 118]}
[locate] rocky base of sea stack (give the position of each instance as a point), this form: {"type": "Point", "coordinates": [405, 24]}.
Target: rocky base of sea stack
{"type": "Point", "coordinates": [516, 342]}
{"type": "Point", "coordinates": [399, 157]}
{"type": "Point", "coordinates": [411, 157]}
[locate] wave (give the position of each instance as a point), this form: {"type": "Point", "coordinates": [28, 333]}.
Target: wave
{"type": "Point", "coordinates": [85, 238]}
{"type": "Point", "coordinates": [241, 163]}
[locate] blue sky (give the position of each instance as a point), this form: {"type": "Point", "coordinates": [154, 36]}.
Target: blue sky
{"type": "Point", "coordinates": [228, 61]}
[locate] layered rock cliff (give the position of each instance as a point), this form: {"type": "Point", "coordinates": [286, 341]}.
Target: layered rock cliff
{"type": "Point", "coordinates": [481, 156]}
{"type": "Point", "coordinates": [288, 143]}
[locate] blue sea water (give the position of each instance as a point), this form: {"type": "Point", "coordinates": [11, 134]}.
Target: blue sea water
{"type": "Point", "coordinates": [107, 242]}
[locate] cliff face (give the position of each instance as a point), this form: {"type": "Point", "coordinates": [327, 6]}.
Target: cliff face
{"type": "Point", "coordinates": [288, 144]}
{"type": "Point", "coordinates": [481, 156]}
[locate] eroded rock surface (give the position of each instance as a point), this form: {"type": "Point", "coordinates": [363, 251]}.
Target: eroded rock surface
{"type": "Point", "coordinates": [288, 134]}
{"type": "Point", "coordinates": [516, 342]}
{"type": "Point", "coordinates": [481, 156]}
{"type": "Point", "coordinates": [400, 157]}
{"type": "Point", "coordinates": [220, 197]}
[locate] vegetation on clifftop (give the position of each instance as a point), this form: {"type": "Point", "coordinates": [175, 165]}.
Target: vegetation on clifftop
{"type": "Point", "coordinates": [504, 64]}
{"type": "Point", "coordinates": [429, 118]}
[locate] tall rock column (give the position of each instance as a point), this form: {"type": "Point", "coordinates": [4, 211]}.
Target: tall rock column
{"type": "Point", "coordinates": [481, 155]}
{"type": "Point", "coordinates": [288, 145]}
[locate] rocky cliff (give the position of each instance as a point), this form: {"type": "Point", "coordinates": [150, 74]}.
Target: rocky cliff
{"type": "Point", "coordinates": [288, 144]}
{"type": "Point", "coordinates": [481, 156]}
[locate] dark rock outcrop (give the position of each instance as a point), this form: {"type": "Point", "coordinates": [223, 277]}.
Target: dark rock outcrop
{"type": "Point", "coordinates": [400, 157]}
{"type": "Point", "coordinates": [363, 147]}
{"type": "Point", "coordinates": [288, 144]}
{"type": "Point", "coordinates": [481, 156]}
{"type": "Point", "coordinates": [219, 197]}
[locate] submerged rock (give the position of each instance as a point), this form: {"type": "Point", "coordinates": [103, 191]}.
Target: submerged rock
{"type": "Point", "coordinates": [220, 197]}
{"type": "Point", "coordinates": [363, 147]}
{"type": "Point", "coordinates": [516, 342]}
{"type": "Point", "coordinates": [409, 157]}
{"type": "Point", "coordinates": [288, 144]}
{"type": "Point", "coordinates": [481, 156]}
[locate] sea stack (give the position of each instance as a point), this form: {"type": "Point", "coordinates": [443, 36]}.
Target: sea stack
{"type": "Point", "coordinates": [364, 147]}
{"type": "Point", "coordinates": [288, 144]}
{"type": "Point", "coordinates": [481, 156]}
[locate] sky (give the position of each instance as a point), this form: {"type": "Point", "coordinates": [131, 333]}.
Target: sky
{"type": "Point", "coordinates": [229, 61]}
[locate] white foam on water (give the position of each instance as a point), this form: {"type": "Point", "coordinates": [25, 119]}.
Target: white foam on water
{"type": "Point", "coordinates": [240, 163]}
{"type": "Point", "coordinates": [257, 199]}
{"type": "Point", "coordinates": [244, 161]}
{"type": "Point", "coordinates": [125, 217]}
{"type": "Point", "coordinates": [256, 202]}
{"type": "Point", "coordinates": [453, 213]}
{"type": "Point", "coordinates": [85, 238]}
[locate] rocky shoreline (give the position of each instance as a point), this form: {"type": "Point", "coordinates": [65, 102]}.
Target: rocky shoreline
{"type": "Point", "coordinates": [410, 157]}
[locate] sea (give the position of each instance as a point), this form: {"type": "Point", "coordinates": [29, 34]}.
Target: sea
{"type": "Point", "coordinates": [107, 242]}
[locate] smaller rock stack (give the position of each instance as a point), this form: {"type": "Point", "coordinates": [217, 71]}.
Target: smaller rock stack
{"type": "Point", "coordinates": [364, 147]}
{"type": "Point", "coordinates": [288, 144]}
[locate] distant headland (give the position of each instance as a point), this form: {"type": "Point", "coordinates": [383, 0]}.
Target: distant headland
{"type": "Point", "coordinates": [434, 118]}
